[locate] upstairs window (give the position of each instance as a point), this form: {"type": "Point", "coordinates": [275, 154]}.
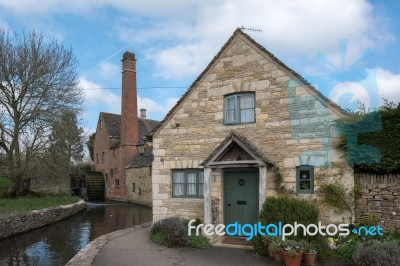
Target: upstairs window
{"type": "Point", "coordinates": [116, 182]}
{"type": "Point", "coordinates": [305, 179]}
{"type": "Point", "coordinates": [188, 183]}
{"type": "Point", "coordinates": [239, 108]}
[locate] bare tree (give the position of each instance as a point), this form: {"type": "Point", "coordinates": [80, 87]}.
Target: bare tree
{"type": "Point", "coordinates": [38, 83]}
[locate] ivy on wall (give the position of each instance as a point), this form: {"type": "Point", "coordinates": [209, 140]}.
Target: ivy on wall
{"type": "Point", "coordinates": [372, 139]}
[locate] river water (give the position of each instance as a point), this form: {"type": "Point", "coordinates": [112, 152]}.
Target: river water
{"type": "Point", "coordinates": [57, 243]}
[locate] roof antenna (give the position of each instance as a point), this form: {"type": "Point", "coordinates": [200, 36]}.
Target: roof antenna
{"type": "Point", "coordinates": [250, 29]}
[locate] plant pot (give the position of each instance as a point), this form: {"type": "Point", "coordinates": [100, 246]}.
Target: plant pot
{"type": "Point", "coordinates": [278, 255]}
{"type": "Point", "coordinates": [310, 259]}
{"type": "Point", "coordinates": [292, 261]}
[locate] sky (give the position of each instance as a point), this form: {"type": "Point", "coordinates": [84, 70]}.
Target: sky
{"type": "Point", "coordinates": [349, 50]}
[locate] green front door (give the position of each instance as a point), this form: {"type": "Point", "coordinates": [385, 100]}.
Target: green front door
{"type": "Point", "coordinates": [241, 196]}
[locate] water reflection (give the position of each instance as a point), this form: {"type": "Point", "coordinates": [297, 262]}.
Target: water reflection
{"type": "Point", "coordinates": [58, 243]}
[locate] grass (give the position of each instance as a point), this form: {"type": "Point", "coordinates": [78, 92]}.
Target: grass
{"type": "Point", "coordinates": [30, 203]}
{"type": "Point", "coordinates": [5, 183]}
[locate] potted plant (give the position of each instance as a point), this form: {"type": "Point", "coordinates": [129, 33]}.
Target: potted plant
{"type": "Point", "coordinates": [275, 251]}
{"type": "Point", "coordinates": [267, 240]}
{"type": "Point", "coordinates": [309, 254]}
{"type": "Point", "coordinates": [292, 253]}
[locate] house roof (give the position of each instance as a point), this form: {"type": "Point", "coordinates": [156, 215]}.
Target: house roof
{"type": "Point", "coordinates": [142, 160]}
{"type": "Point", "coordinates": [238, 31]}
{"type": "Point", "coordinates": [242, 141]}
{"type": "Point", "coordinates": [112, 123]}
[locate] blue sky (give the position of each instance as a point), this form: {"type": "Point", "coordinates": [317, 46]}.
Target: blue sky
{"type": "Point", "coordinates": [175, 40]}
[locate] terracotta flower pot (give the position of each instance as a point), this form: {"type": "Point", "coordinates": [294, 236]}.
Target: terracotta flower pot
{"type": "Point", "coordinates": [310, 259]}
{"type": "Point", "coordinates": [292, 261]}
{"type": "Point", "coordinates": [278, 255]}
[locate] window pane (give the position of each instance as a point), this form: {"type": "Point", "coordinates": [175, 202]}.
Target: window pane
{"type": "Point", "coordinates": [247, 116]}
{"type": "Point", "coordinates": [231, 103]}
{"type": "Point", "coordinates": [305, 185]}
{"type": "Point", "coordinates": [246, 102]}
{"type": "Point", "coordinates": [230, 116]}
{"type": "Point", "coordinates": [179, 177]}
{"type": "Point", "coordinates": [191, 181]}
{"type": "Point", "coordinates": [304, 174]}
{"type": "Point", "coordinates": [179, 183]}
{"type": "Point", "coordinates": [179, 189]}
{"type": "Point", "coordinates": [201, 183]}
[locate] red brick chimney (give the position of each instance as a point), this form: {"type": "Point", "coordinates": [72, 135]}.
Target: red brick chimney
{"type": "Point", "coordinates": [129, 115]}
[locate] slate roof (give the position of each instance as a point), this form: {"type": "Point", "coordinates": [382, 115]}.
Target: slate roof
{"type": "Point", "coordinates": [237, 137]}
{"type": "Point", "coordinates": [112, 122]}
{"type": "Point", "coordinates": [143, 160]}
{"type": "Point", "coordinates": [279, 62]}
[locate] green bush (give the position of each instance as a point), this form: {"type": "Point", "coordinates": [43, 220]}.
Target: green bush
{"type": "Point", "coordinates": [376, 253]}
{"type": "Point", "coordinates": [199, 241]}
{"type": "Point", "coordinates": [288, 211]}
{"type": "Point", "coordinates": [170, 232]}
{"type": "Point", "coordinates": [173, 232]}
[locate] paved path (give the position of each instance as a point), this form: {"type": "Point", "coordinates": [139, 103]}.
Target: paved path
{"type": "Point", "coordinates": [133, 247]}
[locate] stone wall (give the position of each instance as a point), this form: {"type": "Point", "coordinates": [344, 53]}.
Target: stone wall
{"type": "Point", "coordinates": [138, 185]}
{"type": "Point", "coordinates": [19, 223]}
{"type": "Point", "coordinates": [51, 184]}
{"type": "Point", "coordinates": [293, 126]}
{"type": "Point", "coordinates": [380, 198]}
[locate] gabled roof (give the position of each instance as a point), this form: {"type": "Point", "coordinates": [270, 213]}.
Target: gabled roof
{"type": "Point", "coordinates": [240, 140]}
{"type": "Point", "coordinates": [112, 123]}
{"type": "Point", "coordinates": [237, 32]}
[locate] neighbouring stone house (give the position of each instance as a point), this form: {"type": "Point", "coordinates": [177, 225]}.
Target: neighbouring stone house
{"type": "Point", "coordinates": [245, 121]}
{"type": "Point", "coordinates": [127, 173]}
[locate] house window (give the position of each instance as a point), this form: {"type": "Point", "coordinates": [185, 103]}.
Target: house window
{"type": "Point", "coordinates": [116, 182]}
{"type": "Point", "coordinates": [140, 191]}
{"type": "Point", "coordinates": [239, 108]}
{"type": "Point", "coordinates": [97, 157]}
{"type": "Point", "coordinates": [102, 157]}
{"type": "Point", "coordinates": [133, 187]}
{"type": "Point", "coordinates": [114, 153]}
{"type": "Point", "coordinates": [305, 179]}
{"type": "Point", "coordinates": [101, 123]}
{"type": "Point", "coordinates": [112, 172]}
{"type": "Point", "coordinates": [187, 183]}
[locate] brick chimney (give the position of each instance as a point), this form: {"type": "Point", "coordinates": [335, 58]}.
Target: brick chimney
{"type": "Point", "coordinates": [143, 113]}
{"type": "Point", "coordinates": [129, 115]}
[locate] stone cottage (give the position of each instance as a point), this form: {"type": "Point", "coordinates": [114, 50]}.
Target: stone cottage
{"type": "Point", "coordinates": [247, 122]}
{"type": "Point", "coordinates": [127, 172]}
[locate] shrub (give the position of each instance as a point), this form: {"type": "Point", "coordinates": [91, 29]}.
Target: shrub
{"type": "Point", "coordinates": [285, 210]}
{"type": "Point", "coordinates": [170, 232]}
{"type": "Point", "coordinates": [375, 253]}
{"type": "Point", "coordinates": [199, 241]}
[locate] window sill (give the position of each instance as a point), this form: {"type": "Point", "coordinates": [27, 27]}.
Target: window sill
{"type": "Point", "coordinates": [307, 196]}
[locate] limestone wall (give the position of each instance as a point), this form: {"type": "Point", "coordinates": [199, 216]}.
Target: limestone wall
{"type": "Point", "coordinates": [138, 185]}
{"type": "Point", "coordinates": [19, 223]}
{"type": "Point", "coordinates": [380, 198]}
{"type": "Point", "coordinates": [292, 126]}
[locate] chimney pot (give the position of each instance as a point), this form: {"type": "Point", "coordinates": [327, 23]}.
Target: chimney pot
{"type": "Point", "coordinates": [143, 113]}
{"type": "Point", "coordinates": [128, 56]}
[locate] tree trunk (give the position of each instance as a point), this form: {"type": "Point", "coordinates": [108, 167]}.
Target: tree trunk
{"type": "Point", "coordinates": [14, 190]}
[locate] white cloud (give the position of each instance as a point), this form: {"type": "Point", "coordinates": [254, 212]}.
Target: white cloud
{"type": "Point", "coordinates": [388, 84]}
{"type": "Point", "coordinates": [181, 37]}
{"type": "Point", "coordinates": [107, 70]}
{"type": "Point", "coordinates": [107, 101]}
{"type": "Point", "coordinates": [379, 84]}
{"type": "Point", "coordinates": [96, 95]}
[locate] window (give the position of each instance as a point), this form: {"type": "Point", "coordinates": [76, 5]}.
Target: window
{"type": "Point", "coordinates": [102, 157]}
{"type": "Point", "coordinates": [140, 191]}
{"type": "Point", "coordinates": [97, 157]}
{"type": "Point", "coordinates": [305, 179]}
{"type": "Point", "coordinates": [114, 153]}
{"type": "Point", "coordinates": [187, 183]}
{"type": "Point", "coordinates": [133, 187]}
{"type": "Point", "coordinates": [101, 123]}
{"type": "Point", "coordinates": [239, 108]}
{"type": "Point", "coordinates": [112, 172]}
{"type": "Point", "coordinates": [116, 182]}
